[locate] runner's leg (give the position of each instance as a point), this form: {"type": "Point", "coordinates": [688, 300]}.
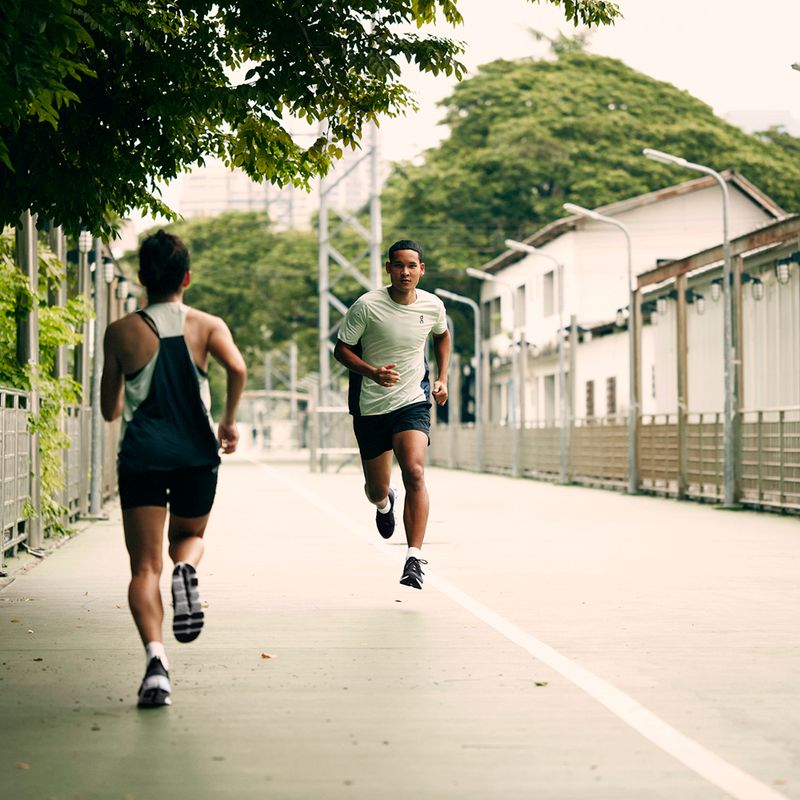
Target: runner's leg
{"type": "Point", "coordinates": [186, 538]}
{"type": "Point", "coordinates": [409, 448]}
{"type": "Point", "coordinates": [144, 537]}
{"type": "Point", "coordinates": [377, 475]}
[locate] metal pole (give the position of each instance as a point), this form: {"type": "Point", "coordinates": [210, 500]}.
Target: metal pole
{"type": "Point", "coordinates": [455, 398]}
{"type": "Point", "coordinates": [563, 437]}
{"type": "Point", "coordinates": [59, 296]}
{"type": "Point", "coordinates": [96, 484]}
{"type": "Point", "coordinates": [633, 393]}
{"type": "Point", "coordinates": [731, 399]}
{"type": "Point", "coordinates": [293, 380]}
{"type": "Point", "coordinates": [730, 421]}
{"type": "Point", "coordinates": [82, 374]}
{"type": "Point", "coordinates": [375, 222]}
{"type": "Point", "coordinates": [681, 326]}
{"type": "Point", "coordinates": [633, 406]}
{"type": "Point", "coordinates": [457, 298]}
{"type": "Point", "coordinates": [28, 355]}
{"type": "Point", "coordinates": [573, 379]}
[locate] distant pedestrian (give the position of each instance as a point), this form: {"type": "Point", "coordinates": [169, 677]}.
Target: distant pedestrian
{"type": "Point", "coordinates": [382, 342]}
{"type": "Point", "coordinates": [155, 377]}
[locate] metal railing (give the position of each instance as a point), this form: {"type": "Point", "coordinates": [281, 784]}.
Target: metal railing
{"type": "Point", "coordinates": [768, 469]}
{"type": "Point", "coordinates": [15, 466]}
{"type": "Point", "coordinates": [770, 473]}
{"type": "Point", "coordinates": [16, 479]}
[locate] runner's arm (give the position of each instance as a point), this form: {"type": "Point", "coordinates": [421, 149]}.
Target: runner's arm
{"type": "Point", "coordinates": [385, 375]}
{"type": "Point", "coordinates": [111, 382]}
{"type": "Point", "coordinates": [223, 349]}
{"type": "Point", "coordinates": [441, 351]}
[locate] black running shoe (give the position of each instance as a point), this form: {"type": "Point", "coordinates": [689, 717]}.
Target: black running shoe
{"type": "Point", "coordinates": [155, 689]}
{"type": "Point", "coordinates": [187, 621]}
{"type": "Point", "coordinates": [385, 521]}
{"type": "Point", "coordinates": [412, 572]}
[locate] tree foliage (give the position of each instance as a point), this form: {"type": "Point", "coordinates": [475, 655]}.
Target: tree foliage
{"type": "Point", "coordinates": [102, 99]}
{"type": "Point", "coordinates": [528, 135]}
{"type": "Point", "coordinates": [261, 282]}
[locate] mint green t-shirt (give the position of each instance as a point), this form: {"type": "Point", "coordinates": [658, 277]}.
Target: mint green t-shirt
{"type": "Point", "coordinates": [391, 333]}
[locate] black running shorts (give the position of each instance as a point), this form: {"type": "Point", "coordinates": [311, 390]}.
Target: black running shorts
{"type": "Point", "coordinates": [374, 433]}
{"type": "Point", "coordinates": [189, 491]}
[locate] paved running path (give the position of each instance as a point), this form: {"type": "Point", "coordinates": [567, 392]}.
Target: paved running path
{"type": "Point", "coordinates": [570, 644]}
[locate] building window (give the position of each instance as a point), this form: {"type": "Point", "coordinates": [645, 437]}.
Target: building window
{"type": "Point", "coordinates": [549, 399]}
{"type": "Point", "coordinates": [548, 288]}
{"type": "Point", "coordinates": [492, 319]}
{"type": "Point", "coordinates": [589, 399]}
{"type": "Point", "coordinates": [611, 397]}
{"type": "Point", "coordinates": [519, 307]}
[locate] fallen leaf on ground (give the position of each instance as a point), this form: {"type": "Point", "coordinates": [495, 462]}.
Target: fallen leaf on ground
{"type": "Point", "coordinates": [541, 683]}
{"type": "Point", "coordinates": [38, 659]}
{"type": "Point", "coordinates": [23, 765]}
{"type": "Point", "coordinates": [14, 620]}
{"type": "Point", "coordinates": [267, 655]}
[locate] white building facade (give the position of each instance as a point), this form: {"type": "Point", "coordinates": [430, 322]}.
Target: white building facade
{"type": "Point", "coordinates": [665, 225]}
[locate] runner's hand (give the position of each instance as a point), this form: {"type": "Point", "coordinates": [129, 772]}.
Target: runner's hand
{"type": "Point", "coordinates": [386, 375]}
{"type": "Point", "coordinates": [440, 392]}
{"type": "Point", "coordinates": [228, 435]}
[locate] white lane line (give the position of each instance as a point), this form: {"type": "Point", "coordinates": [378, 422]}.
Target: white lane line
{"type": "Point", "coordinates": [703, 762]}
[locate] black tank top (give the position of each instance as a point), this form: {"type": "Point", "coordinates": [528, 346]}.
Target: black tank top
{"type": "Point", "coordinates": [170, 429]}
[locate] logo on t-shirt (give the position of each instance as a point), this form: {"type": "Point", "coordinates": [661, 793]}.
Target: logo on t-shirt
{"type": "Point", "coordinates": [421, 319]}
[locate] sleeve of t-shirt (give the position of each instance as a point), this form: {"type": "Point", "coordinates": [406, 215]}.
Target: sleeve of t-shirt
{"type": "Point", "coordinates": [440, 325]}
{"type": "Point", "coordinates": [354, 323]}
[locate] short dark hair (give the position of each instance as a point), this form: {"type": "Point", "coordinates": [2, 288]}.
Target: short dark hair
{"type": "Point", "coordinates": [405, 244]}
{"type": "Point", "coordinates": [163, 263]}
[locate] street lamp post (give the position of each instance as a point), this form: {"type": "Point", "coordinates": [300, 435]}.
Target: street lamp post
{"type": "Point", "coordinates": [633, 405]}
{"type": "Point", "coordinates": [563, 441]}
{"type": "Point", "coordinates": [103, 277]}
{"type": "Point", "coordinates": [457, 298]}
{"type": "Point", "coordinates": [513, 421]}
{"type": "Point", "coordinates": [729, 349]}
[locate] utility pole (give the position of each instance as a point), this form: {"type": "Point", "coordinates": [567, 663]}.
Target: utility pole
{"type": "Point", "coordinates": [365, 268]}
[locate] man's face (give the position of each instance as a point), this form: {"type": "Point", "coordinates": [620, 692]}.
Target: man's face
{"type": "Point", "coordinates": [405, 269]}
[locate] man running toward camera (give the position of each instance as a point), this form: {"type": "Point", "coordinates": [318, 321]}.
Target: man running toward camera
{"type": "Point", "coordinates": [382, 342]}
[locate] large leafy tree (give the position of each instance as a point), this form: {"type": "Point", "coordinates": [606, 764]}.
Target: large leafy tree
{"type": "Point", "coordinates": [528, 135]}
{"type": "Point", "coordinates": [101, 99]}
{"type": "Point", "coordinates": [262, 282]}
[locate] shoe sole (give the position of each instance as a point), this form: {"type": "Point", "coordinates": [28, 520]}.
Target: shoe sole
{"type": "Point", "coordinates": [188, 619]}
{"type": "Point", "coordinates": [410, 581]}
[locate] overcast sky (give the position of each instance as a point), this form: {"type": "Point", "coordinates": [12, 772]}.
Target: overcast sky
{"type": "Point", "coordinates": [735, 55]}
{"type": "Point", "coordinates": [732, 54]}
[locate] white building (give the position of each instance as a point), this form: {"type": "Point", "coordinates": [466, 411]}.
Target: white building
{"type": "Point", "coordinates": [664, 225]}
{"type": "Point", "coordinates": [214, 189]}
{"type": "Point", "coordinates": [768, 261]}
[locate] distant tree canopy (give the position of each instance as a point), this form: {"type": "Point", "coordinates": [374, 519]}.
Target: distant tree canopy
{"type": "Point", "coordinates": [102, 99]}
{"type": "Point", "coordinates": [262, 282]}
{"type": "Point", "coordinates": [528, 135]}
